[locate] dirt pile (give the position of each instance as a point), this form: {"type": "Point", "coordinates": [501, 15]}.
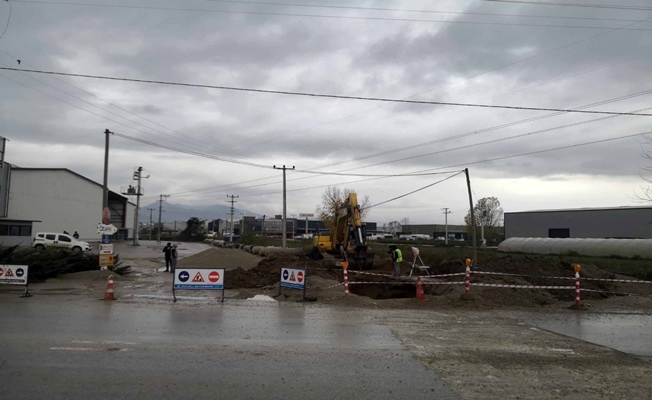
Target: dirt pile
{"type": "Point", "coordinates": [268, 271]}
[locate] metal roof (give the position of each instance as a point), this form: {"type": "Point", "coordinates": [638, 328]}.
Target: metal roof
{"type": "Point", "coordinates": [584, 209]}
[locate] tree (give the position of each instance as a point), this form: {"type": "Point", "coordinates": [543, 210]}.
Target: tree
{"type": "Point", "coordinates": [194, 230]}
{"type": "Point", "coordinates": [332, 200]}
{"type": "Point", "coordinates": [488, 213]}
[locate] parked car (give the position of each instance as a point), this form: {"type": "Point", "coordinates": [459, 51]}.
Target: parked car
{"type": "Point", "coordinates": [46, 239]}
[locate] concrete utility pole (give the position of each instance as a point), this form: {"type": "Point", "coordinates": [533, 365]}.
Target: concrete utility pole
{"type": "Point", "coordinates": [232, 201]}
{"type": "Point", "coordinates": [284, 205]}
{"type": "Point", "coordinates": [150, 222]}
{"type": "Point", "coordinates": [446, 212]}
{"type": "Point", "coordinates": [475, 248]}
{"type": "Point", "coordinates": [105, 194]}
{"type": "Point", "coordinates": [138, 175]}
{"type": "Point", "coordinates": [160, 210]}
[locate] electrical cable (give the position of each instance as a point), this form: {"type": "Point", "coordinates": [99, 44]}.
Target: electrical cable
{"type": "Point", "coordinates": [320, 95]}
{"type": "Point", "coordinates": [414, 191]}
{"type": "Point", "coordinates": [8, 19]}
{"type": "Point", "coordinates": [345, 17]}
{"type": "Point", "coordinates": [422, 11]}
{"type": "Point", "coordinates": [466, 164]}
{"type": "Point", "coordinates": [199, 142]}
{"type": "Point", "coordinates": [550, 3]}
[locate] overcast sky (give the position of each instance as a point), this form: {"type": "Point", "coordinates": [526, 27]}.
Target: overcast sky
{"type": "Point", "coordinates": [585, 56]}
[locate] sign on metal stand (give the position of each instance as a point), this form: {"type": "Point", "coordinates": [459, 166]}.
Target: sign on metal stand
{"type": "Point", "coordinates": [294, 278]}
{"type": "Point", "coordinates": [15, 275]}
{"type": "Point", "coordinates": [198, 279]}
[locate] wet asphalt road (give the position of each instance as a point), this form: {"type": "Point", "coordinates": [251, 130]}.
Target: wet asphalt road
{"type": "Point", "coordinates": [61, 348]}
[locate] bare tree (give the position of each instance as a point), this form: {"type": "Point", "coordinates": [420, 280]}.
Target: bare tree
{"type": "Point", "coordinates": [488, 213]}
{"type": "Point", "coordinates": [333, 199]}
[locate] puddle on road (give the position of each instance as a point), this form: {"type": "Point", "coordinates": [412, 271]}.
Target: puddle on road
{"type": "Point", "coordinates": [629, 333]}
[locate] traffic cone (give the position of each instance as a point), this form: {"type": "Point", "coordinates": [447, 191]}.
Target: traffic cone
{"type": "Point", "coordinates": [421, 295]}
{"type": "Point", "coordinates": [109, 294]}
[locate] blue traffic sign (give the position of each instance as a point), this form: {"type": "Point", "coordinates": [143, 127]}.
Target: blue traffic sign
{"type": "Point", "coordinates": [20, 272]}
{"type": "Point", "coordinates": [106, 239]}
{"type": "Point", "coordinates": [286, 274]}
{"type": "Point", "coordinates": [184, 276]}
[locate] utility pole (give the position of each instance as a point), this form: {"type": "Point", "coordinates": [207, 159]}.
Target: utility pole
{"type": "Point", "coordinates": [446, 212]}
{"type": "Point", "coordinates": [232, 201]}
{"type": "Point", "coordinates": [105, 194]}
{"type": "Point", "coordinates": [138, 175]}
{"type": "Point", "coordinates": [160, 210]}
{"type": "Point", "coordinates": [284, 205]}
{"type": "Point", "coordinates": [150, 222]}
{"type": "Point", "coordinates": [475, 249]}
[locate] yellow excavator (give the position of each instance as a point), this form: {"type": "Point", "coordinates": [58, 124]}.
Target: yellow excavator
{"type": "Point", "coordinates": [349, 241]}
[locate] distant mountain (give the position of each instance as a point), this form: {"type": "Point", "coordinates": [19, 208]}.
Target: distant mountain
{"type": "Point", "coordinates": [182, 212]}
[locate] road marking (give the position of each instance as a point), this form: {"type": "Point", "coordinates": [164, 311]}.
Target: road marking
{"type": "Point", "coordinates": [76, 348]}
{"type": "Point", "coordinates": [104, 342]}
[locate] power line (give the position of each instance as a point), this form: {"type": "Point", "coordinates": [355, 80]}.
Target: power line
{"type": "Point", "coordinates": [423, 11]}
{"type": "Point", "coordinates": [8, 19]}
{"type": "Point", "coordinates": [199, 142]}
{"type": "Point", "coordinates": [194, 153]}
{"type": "Point", "coordinates": [345, 17]}
{"type": "Point", "coordinates": [550, 3]}
{"type": "Point", "coordinates": [320, 95]}
{"type": "Point", "coordinates": [480, 161]}
{"type": "Point", "coordinates": [532, 57]}
{"type": "Point", "coordinates": [414, 191]}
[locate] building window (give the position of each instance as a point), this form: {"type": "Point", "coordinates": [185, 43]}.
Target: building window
{"type": "Point", "coordinates": [14, 230]}
{"type": "Point", "coordinates": [25, 231]}
{"type": "Point", "coordinates": [4, 230]}
{"type": "Point", "coordinates": [559, 233]}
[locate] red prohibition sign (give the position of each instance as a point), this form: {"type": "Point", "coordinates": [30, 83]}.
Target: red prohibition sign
{"type": "Point", "coordinates": [214, 276]}
{"type": "Point", "coordinates": [300, 276]}
{"type": "Point", "coordinates": [1, 271]}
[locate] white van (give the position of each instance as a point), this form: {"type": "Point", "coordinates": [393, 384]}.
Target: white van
{"type": "Point", "coordinates": [45, 239]}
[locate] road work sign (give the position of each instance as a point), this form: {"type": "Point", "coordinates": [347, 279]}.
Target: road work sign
{"type": "Point", "coordinates": [106, 260]}
{"type": "Point", "coordinates": [15, 275]}
{"type": "Point", "coordinates": [198, 279]}
{"type": "Point", "coordinates": [106, 248]}
{"type": "Point", "coordinates": [294, 278]}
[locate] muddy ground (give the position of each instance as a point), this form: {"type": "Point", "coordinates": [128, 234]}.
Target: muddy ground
{"type": "Point", "coordinates": [479, 346]}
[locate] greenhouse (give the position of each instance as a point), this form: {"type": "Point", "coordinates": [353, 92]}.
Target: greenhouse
{"type": "Point", "coordinates": [627, 248]}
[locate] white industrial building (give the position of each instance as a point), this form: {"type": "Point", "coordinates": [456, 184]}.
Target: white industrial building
{"type": "Point", "coordinates": [55, 200]}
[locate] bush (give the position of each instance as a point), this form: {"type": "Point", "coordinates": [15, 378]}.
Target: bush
{"type": "Point", "coordinates": [48, 263]}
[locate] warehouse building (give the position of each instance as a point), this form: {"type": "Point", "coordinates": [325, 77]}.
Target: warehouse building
{"type": "Point", "coordinates": [55, 200]}
{"type": "Point", "coordinates": [604, 223]}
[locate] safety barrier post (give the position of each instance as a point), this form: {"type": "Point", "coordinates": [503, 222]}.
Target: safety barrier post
{"type": "Point", "coordinates": [345, 265]}
{"type": "Point", "coordinates": [577, 285]}
{"type": "Point", "coordinates": [467, 277]}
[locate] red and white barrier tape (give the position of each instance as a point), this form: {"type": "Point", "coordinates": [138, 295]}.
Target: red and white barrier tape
{"type": "Point", "coordinates": [443, 275]}
{"type": "Point", "coordinates": [405, 283]}
{"type": "Point", "coordinates": [500, 285]}
{"type": "Point", "coordinates": [560, 277]}
{"type": "Point", "coordinates": [615, 280]}
{"type": "Point", "coordinates": [333, 286]}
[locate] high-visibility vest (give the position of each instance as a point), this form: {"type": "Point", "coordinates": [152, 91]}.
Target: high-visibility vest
{"type": "Point", "coordinates": [399, 255]}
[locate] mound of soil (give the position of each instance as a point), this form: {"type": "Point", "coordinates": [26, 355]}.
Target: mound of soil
{"type": "Point", "coordinates": [268, 271]}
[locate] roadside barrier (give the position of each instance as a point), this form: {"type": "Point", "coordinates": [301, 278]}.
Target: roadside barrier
{"type": "Point", "coordinates": [345, 266]}
{"type": "Point", "coordinates": [109, 294]}
{"type": "Point", "coordinates": [421, 295]}
{"type": "Point", "coordinates": [428, 280]}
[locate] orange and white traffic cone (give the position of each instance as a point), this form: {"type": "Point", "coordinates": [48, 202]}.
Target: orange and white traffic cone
{"type": "Point", "coordinates": [109, 294]}
{"type": "Point", "coordinates": [421, 295]}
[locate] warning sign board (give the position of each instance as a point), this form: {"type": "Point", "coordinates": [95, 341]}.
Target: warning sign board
{"type": "Point", "coordinates": [293, 278]}
{"type": "Point", "coordinates": [194, 278]}
{"type": "Point", "coordinates": [106, 260]}
{"type": "Point", "coordinates": [106, 248]}
{"type": "Point", "coordinates": [13, 274]}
